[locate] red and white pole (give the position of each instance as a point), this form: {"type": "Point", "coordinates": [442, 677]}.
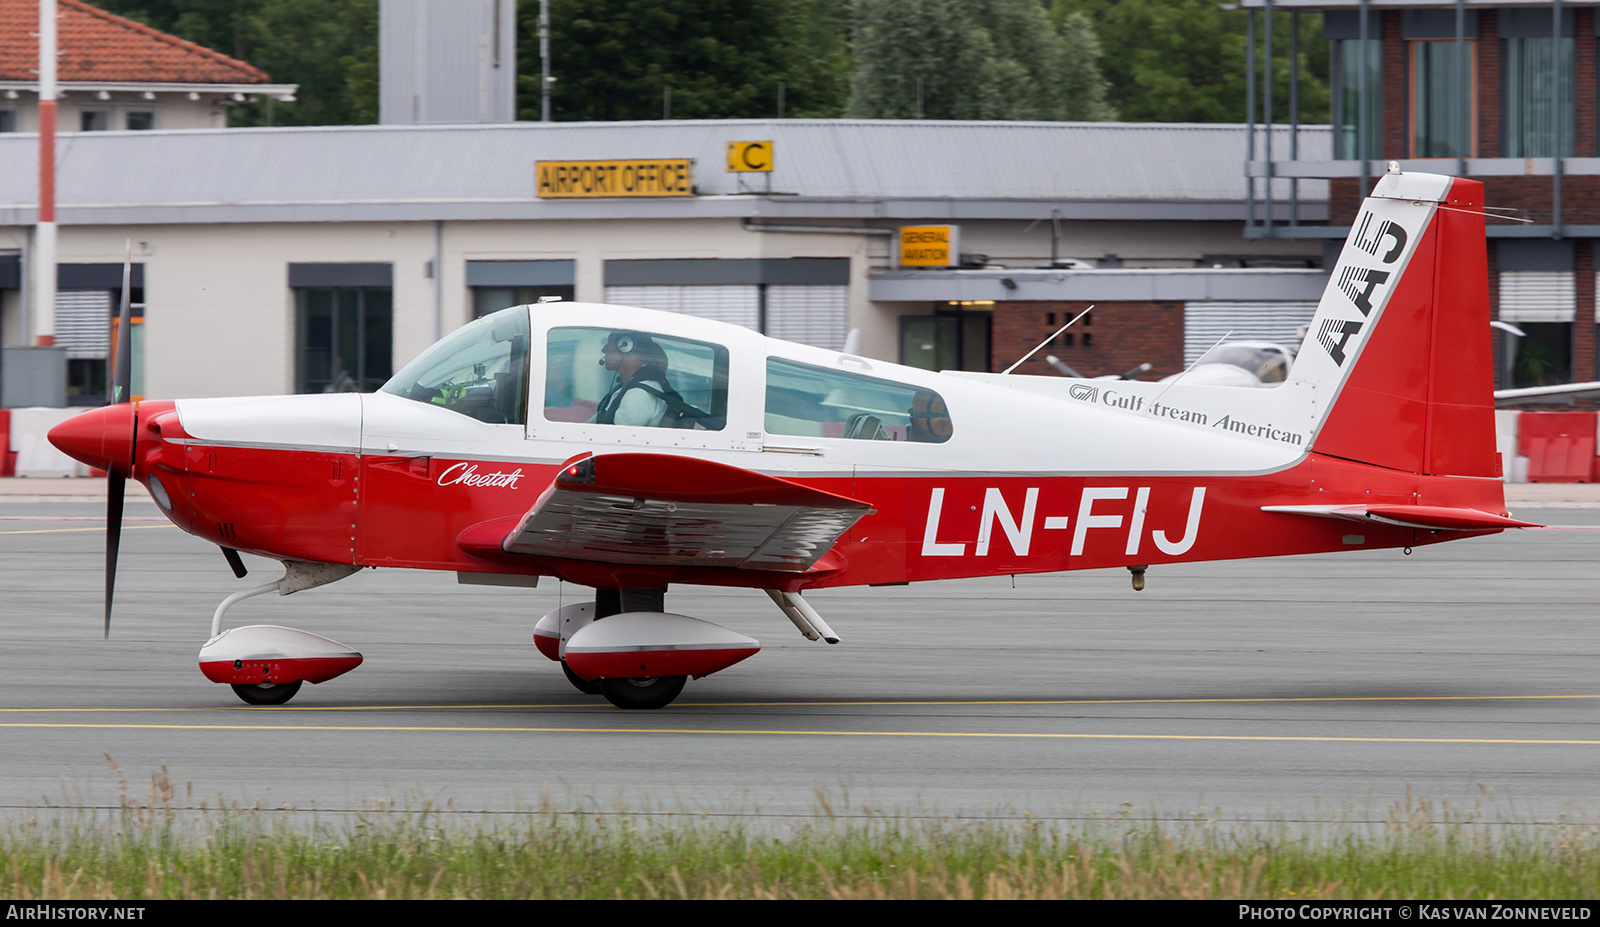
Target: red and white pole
{"type": "Point", "coordinates": [44, 241]}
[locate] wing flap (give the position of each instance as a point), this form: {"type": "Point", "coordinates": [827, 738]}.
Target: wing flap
{"type": "Point", "coordinates": [660, 509]}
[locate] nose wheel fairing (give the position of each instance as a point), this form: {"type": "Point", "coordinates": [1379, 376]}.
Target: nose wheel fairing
{"type": "Point", "coordinates": [269, 654]}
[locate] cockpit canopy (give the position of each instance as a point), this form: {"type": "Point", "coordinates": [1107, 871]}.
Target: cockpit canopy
{"type": "Point", "coordinates": [648, 376]}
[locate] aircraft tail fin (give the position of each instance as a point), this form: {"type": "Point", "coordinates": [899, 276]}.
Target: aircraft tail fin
{"type": "Point", "coordinates": [1401, 337]}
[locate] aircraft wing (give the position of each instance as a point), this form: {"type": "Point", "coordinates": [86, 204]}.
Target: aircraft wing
{"type": "Point", "coordinates": [1566, 392]}
{"type": "Point", "coordinates": [1431, 517]}
{"type": "Point", "coordinates": [668, 510]}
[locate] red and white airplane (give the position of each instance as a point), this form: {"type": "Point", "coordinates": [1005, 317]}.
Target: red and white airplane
{"type": "Point", "coordinates": [630, 450]}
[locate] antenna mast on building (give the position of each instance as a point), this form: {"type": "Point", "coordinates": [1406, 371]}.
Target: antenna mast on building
{"type": "Point", "coordinates": [544, 60]}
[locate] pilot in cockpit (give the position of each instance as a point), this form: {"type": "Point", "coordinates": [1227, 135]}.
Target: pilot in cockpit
{"type": "Point", "coordinates": [641, 394]}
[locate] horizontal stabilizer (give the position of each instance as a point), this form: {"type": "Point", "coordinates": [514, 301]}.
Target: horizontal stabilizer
{"type": "Point", "coordinates": [1430, 517]}
{"type": "Point", "coordinates": [667, 510]}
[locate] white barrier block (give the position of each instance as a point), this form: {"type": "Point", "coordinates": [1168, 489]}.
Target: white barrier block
{"type": "Point", "coordinates": [1505, 441]}
{"type": "Point", "coordinates": [36, 456]}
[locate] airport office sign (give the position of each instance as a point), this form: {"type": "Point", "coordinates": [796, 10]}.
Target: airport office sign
{"type": "Point", "coordinates": [930, 246]}
{"type": "Point", "coordinates": [640, 177]}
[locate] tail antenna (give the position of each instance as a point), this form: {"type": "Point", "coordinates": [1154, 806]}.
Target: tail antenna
{"type": "Point", "coordinates": [1045, 342]}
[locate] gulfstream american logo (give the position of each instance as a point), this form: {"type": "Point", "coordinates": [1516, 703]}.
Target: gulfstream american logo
{"type": "Point", "coordinates": [1360, 283]}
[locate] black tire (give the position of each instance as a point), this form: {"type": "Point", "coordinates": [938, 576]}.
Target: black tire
{"type": "Point", "coordinates": [651, 692]}
{"type": "Point", "coordinates": [586, 686]}
{"type": "Point", "coordinates": [267, 693]}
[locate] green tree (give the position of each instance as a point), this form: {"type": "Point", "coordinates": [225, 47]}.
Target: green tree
{"type": "Point", "coordinates": [973, 59]}
{"type": "Point", "coordinates": [721, 59]}
{"type": "Point", "coordinates": [1184, 60]}
{"type": "Point", "coordinates": [217, 24]}
{"type": "Point", "coordinates": [1084, 90]}
{"type": "Point", "coordinates": [328, 47]}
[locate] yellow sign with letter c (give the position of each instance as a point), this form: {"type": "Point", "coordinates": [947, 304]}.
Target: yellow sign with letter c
{"type": "Point", "coordinates": [750, 157]}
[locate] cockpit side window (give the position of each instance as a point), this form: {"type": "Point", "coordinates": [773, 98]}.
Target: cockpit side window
{"type": "Point", "coordinates": [821, 403]}
{"type": "Point", "coordinates": [479, 370]}
{"type": "Point", "coordinates": [635, 378]}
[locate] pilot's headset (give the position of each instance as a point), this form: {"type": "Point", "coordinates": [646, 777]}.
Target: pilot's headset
{"type": "Point", "coordinates": [625, 342]}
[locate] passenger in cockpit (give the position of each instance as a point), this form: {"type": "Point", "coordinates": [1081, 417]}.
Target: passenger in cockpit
{"type": "Point", "coordinates": [930, 419]}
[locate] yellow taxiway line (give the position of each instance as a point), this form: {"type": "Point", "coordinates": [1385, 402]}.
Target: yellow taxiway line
{"type": "Point", "coordinates": [771, 732]}
{"type": "Point", "coordinates": [775, 732]}
{"type": "Point", "coordinates": [842, 703]}
{"type": "Point", "coordinates": [100, 529]}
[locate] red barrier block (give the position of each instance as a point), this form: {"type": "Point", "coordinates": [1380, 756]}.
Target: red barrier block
{"type": "Point", "coordinates": [1560, 446]}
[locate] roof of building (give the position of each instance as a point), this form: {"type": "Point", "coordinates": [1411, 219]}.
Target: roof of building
{"type": "Point", "coordinates": [98, 46]}
{"type": "Point", "coordinates": [1318, 5]}
{"type": "Point", "coordinates": [824, 169]}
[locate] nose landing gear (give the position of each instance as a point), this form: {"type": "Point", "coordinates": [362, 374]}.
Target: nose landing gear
{"type": "Point", "coordinates": [266, 664]}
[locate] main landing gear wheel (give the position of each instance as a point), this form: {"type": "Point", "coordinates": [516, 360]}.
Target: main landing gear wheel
{"type": "Point", "coordinates": [269, 693]}
{"type": "Point", "coordinates": [586, 686]}
{"type": "Point", "coordinates": [646, 692]}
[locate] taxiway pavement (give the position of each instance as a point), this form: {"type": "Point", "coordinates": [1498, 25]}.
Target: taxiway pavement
{"type": "Point", "coordinates": [1299, 688]}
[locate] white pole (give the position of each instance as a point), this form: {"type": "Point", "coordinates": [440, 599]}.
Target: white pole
{"type": "Point", "coordinates": [44, 260]}
{"type": "Point", "coordinates": [544, 60]}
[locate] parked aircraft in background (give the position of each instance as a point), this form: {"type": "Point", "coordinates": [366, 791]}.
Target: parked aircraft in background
{"type": "Point", "coordinates": [634, 451]}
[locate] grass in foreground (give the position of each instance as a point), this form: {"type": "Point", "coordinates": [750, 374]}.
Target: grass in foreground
{"type": "Point", "coordinates": [155, 850]}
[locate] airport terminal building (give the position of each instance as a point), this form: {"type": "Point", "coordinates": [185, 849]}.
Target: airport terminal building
{"type": "Point", "coordinates": [308, 259]}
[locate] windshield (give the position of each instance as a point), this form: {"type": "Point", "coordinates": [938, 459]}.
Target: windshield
{"type": "Point", "coordinates": [480, 370]}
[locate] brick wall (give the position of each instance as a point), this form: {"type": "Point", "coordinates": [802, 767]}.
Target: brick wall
{"type": "Point", "coordinates": [1122, 335]}
{"type": "Point", "coordinates": [1396, 79]}
{"type": "Point", "coordinates": [1488, 86]}
{"type": "Point", "coordinates": [1585, 80]}
{"type": "Point", "coordinates": [1533, 197]}
{"type": "Point", "coordinates": [1344, 200]}
{"type": "Point", "coordinates": [1583, 327]}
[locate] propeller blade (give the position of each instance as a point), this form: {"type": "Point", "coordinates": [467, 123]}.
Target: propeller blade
{"type": "Point", "coordinates": [122, 367]}
{"type": "Point", "coordinates": [121, 389]}
{"type": "Point", "coordinates": [117, 485]}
